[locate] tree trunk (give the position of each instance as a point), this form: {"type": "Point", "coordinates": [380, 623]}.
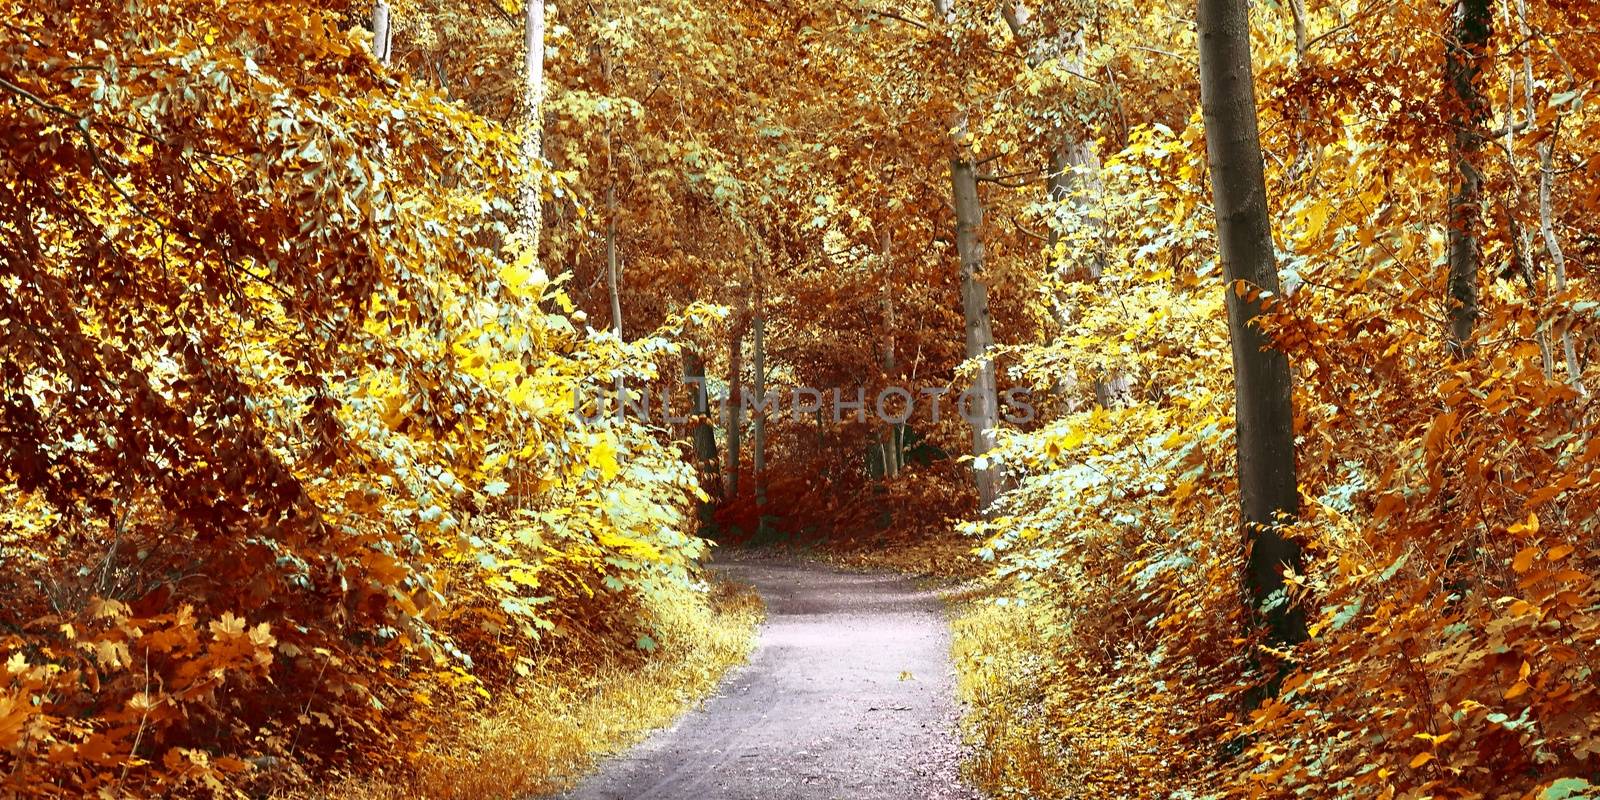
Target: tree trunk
{"type": "Point", "coordinates": [891, 432]}
{"type": "Point", "coordinates": [1263, 395]}
{"type": "Point", "coordinates": [532, 221]}
{"type": "Point", "coordinates": [982, 413]}
{"type": "Point", "coordinates": [1297, 14]}
{"type": "Point", "coordinates": [701, 433]}
{"type": "Point", "coordinates": [613, 267]}
{"type": "Point", "coordinates": [733, 418]}
{"type": "Point", "coordinates": [1466, 54]}
{"type": "Point", "coordinates": [382, 33]}
{"type": "Point", "coordinates": [1547, 230]}
{"type": "Point", "coordinates": [1558, 259]}
{"type": "Point", "coordinates": [759, 469]}
{"type": "Point", "coordinates": [613, 270]}
{"type": "Point", "coordinates": [1074, 173]}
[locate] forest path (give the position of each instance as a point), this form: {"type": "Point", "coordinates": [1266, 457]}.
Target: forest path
{"type": "Point", "coordinates": [849, 695]}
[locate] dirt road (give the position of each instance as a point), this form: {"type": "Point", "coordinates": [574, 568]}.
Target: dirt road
{"type": "Point", "coordinates": [848, 696]}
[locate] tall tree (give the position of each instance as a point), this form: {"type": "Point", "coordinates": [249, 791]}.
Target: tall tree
{"type": "Point", "coordinates": [533, 107]}
{"type": "Point", "coordinates": [982, 410]}
{"type": "Point", "coordinates": [1263, 394]}
{"type": "Point", "coordinates": [1466, 54]}
{"type": "Point", "coordinates": [613, 264]}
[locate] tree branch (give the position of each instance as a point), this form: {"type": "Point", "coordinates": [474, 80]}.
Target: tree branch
{"type": "Point", "coordinates": [891, 15]}
{"type": "Point", "coordinates": [1024, 231]}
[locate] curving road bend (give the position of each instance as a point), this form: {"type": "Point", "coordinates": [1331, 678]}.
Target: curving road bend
{"type": "Point", "coordinates": [849, 695]}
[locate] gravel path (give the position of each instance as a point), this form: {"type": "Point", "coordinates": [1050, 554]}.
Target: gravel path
{"type": "Point", "coordinates": [849, 695]}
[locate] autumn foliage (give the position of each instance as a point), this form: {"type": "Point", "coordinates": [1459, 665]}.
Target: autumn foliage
{"type": "Point", "coordinates": [286, 450]}
{"type": "Point", "coordinates": [1448, 500]}
{"type": "Point", "coordinates": [290, 477]}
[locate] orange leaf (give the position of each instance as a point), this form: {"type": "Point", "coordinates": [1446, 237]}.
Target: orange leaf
{"type": "Point", "coordinates": [1528, 528]}
{"type": "Point", "coordinates": [1524, 559]}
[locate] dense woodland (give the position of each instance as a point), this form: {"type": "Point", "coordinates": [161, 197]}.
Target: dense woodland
{"type": "Point", "coordinates": [304, 304]}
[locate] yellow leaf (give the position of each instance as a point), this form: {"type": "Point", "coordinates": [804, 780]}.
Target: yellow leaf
{"type": "Point", "coordinates": [523, 278]}
{"type": "Point", "coordinates": [228, 626]}
{"type": "Point", "coordinates": [1420, 759]}
{"type": "Point", "coordinates": [1528, 528]}
{"type": "Point", "coordinates": [1558, 553]}
{"type": "Point", "coordinates": [261, 636]}
{"type": "Point", "coordinates": [603, 457]}
{"type": "Point", "coordinates": [1518, 690]}
{"type": "Point", "coordinates": [1317, 220]}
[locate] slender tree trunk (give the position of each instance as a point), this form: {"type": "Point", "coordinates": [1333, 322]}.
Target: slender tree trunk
{"type": "Point", "coordinates": [613, 268]}
{"type": "Point", "coordinates": [1466, 54]}
{"type": "Point", "coordinates": [1522, 242]}
{"type": "Point", "coordinates": [734, 417]}
{"type": "Point", "coordinates": [983, 410]}
{"type": "Point", "coordinates": [1297, 13]}
{"type": "Point", "coordinates": [532, 222]}
{"type": "Point", "coordinates": [1547, 230]}
{"type": "Point", "coordinates": [1263, 396]}
{"type": "Point", "coordinates": [701, 433]}
{"type": "Point", "coordinates": [1558, 259]}
{"type": "Point", "coordinates": [891, 432]}
{"type": "Point", "coordinates": [382, 33]}
{"type": "Point", "coordinates": [760, 453]}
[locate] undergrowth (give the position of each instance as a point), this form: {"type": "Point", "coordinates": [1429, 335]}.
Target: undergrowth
{"type": "Point", "coordinates": [925, 557]}
{"type": "Point", "coordinates": [558, 722]}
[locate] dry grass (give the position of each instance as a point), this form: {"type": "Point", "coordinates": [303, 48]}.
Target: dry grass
{"type": "Point", "coordinates": [1016, 750]}
{"type": "Point", "coordinates": [561, 721]}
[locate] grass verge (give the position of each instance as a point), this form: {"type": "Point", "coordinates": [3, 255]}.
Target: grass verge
{"type": "Point", "coordinates": [557, 724]}
{"type": "Point", "coordinates": [1015, 751]}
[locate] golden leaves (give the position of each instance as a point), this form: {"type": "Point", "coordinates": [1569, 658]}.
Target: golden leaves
{"type": "Point", "coordinates": [1524, 558]}
{"type": "Point", "coordinates": [524, 278]}
{"type": "Point", "coordinates": [602, 456]}
{"type": "Point", "coordinates": [1527, 527]}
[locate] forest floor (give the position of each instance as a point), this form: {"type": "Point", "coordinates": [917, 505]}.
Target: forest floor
{"type": "Point", "coordinates": [849, 694]}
